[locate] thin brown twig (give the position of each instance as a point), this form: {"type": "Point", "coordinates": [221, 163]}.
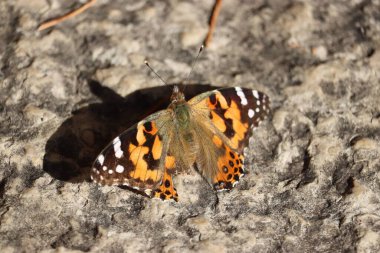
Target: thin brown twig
{"type": "Point", "coordinates": [207, 41]}
{"type": "Point", "coordinates": [71, 14]}
{"type": "Point", "coordinates": [212, 22]}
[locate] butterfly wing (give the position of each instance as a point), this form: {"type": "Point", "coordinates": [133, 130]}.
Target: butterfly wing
{"type": "Point", "coordinates": [137, 158]}
{"type": "Point", "coordinates": [227, 116]}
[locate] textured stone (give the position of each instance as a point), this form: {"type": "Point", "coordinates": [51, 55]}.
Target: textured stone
{"type": "Point", "coordinates": [314, 181]}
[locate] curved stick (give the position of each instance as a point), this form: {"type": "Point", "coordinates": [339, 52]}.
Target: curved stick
{"type": "Point", "coordinates": [71, 14]}
{"type": "Point", "coordinates": [212, 22]}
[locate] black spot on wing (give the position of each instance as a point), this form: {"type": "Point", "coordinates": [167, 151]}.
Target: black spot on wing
{"type": "Point", "coordinates": [230, 132]}
{"type": "Point", "coordinates": [213, 99]}
{"type": "Point", "coordinates": [148, 126]}
{"type": "Point", "coordinates": [152, 163]}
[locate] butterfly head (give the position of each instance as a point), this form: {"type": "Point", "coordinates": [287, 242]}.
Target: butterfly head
{"type": "Point", "coordinates": [177, 96]}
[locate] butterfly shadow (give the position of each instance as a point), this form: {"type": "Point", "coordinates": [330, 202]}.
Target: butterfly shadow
{"type": "Point", "coordinates": [71, 150]}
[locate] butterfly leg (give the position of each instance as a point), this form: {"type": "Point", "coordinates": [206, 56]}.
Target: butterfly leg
{"type": "Point", "coordinates": [166, 190]}
{"type": "Point", "coordinates": [230, 170]}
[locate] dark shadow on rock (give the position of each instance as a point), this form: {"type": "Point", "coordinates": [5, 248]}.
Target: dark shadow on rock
{"type": "Point", "coordinates": [70, 151]}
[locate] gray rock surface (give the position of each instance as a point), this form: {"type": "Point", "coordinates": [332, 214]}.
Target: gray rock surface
{"type": "Point", "coordinates": [314, 182]}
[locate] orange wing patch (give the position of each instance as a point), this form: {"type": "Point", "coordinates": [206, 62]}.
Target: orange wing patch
{"type": "Point", "coordinates": [140, 137]}
{"type": "Point", "coordinates": [218, 122]}
{"type": "Point", "coordinates": [141, 166]}
{"type": "Point", "coordinates": [217, 141]}
{"type": "Point", "coordinates": [157, 148]}
{"type": "Point", "coordinates": [169, 162]}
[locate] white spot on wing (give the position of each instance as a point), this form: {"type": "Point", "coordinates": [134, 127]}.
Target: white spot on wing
{"type": "Point", "coordinates": [110, 171]}
{"type": "Point", "coordinates": [101, 159]}
{"type": "Point", "coordinates": [116, 140]}
{"type": "Point", "coordinates": [104, 168]}
{"type": "Point", "coordinates": [240, 93]}
{"type": "Point", "coordinates": [118, 153]}
{"type": "Point", "coordinates": [119, 169]}
{"type": "Point", "coordinates": [117, 147]}
{"type": "Point", "coordinates": [251, 113]}
{"type": "Point", "coordinates": [257, 109]}
{"type": "Point", "coordinates": [255, 94]}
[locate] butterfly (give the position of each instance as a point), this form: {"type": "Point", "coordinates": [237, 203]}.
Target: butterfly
{"type": "Point", "coordinates": [208, 133]}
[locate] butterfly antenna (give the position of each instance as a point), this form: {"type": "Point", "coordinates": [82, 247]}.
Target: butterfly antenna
{"type": "Point", "coordinates": [147, 64]}
{"type": "Point", "coordinates": [194, 63]}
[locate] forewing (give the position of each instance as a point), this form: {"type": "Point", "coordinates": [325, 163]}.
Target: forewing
{"type": "Point", "coordinates": [233, 111]}
{"type": "Point", "coordinates": [136, 158]}
{"type": "Point", "coordinates": [229, 114]}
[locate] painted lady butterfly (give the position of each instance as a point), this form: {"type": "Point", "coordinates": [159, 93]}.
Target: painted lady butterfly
{"type": "Point", "coordinates": [208, 132]}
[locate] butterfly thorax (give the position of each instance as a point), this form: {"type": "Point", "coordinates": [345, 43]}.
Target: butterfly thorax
{"type": "Point", "coordinates": [181, 109]}
{"type": "Point", "coordinates": [182, 115]}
